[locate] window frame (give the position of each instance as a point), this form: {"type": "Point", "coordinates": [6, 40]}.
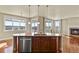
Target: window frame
{"type": "Point", "coordinates": [36, 20]}
{"type": "Point", "coordinates": [53, 27]}
{"type": "Point", "coordinates": [57, 27]}
{"type": "Point", "coordinates": [14, 19]}
{"type": "Point", "coordinates": [6, 19]}
{"type": "Point", "coordinates": [47, 30]}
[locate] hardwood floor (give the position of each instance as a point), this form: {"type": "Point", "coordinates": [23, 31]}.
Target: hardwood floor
{"type": "Point", "coordinates": [6, 46]}
{"type": "Point", "coordinates": [70, 45]}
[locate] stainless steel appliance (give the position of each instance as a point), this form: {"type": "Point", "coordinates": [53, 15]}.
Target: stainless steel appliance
{"type": "Point", "coordinates": [25, 44]}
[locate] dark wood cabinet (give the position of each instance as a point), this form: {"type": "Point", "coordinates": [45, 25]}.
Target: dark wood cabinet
{"type": "Point", "coordinates": [41, 44]}
{"type": "Point", "coordinates": [15, 44]}
{"type": "Point", "coordinates": [35, 44]}
{"type": "Point", "coordinates": [52, 45]}
{"type": "Point", "coordinates": [46, 44]}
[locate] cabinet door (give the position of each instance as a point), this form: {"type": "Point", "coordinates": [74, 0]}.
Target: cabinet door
{"type": "Point", "coordinates": [15, 44]}
{"type": "Point", "coordinates": [44, 44]}
{"type": "Point", "coordinates": [35, 44]}
{"type": "Point", "coordinates": [52, 44]}
{"type": "Point", "coordinates": [59, 44]}
{"type": "Point", "coordinates": [40, 44]}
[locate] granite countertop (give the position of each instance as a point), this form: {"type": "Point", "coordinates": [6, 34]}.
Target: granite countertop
{"type": "Point", "coordinates": [24, 34]}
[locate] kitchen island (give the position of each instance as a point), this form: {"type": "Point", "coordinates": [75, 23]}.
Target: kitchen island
{"type": "Point", "coordinates": [36, 44]}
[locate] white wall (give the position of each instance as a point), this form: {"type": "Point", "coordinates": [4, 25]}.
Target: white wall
{"type": "Point", "coordinates": [6, 34]}
{"type": "Point", "coordinates": [69, 23]}
{"type": "Point", "coordinates": [9, 34]}
{"type": "Point", "coordinates": [66, 24]}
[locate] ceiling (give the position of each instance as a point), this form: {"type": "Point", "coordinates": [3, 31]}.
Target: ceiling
{"type": "Point", "coordinates": [52, 11]}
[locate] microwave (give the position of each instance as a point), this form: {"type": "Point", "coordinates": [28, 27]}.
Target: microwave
{"type": "Point", "coordinates": [74, 31]}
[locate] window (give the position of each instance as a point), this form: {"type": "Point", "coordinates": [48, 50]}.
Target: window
{"type": "Point", "coordinates": [57, 23]}
{"type": "Point", "coordinates": [57, 26]}
{"type": "Point", "coordinates": [14, 24]}
{"type": "Point", "coordinates": [22, 25]}
{"type": "Point", "coordinates": [35, 26]}
{"type": "Point", "coordinates": [52, 26]}
{"type": "Point", "coordinates": [8, 25]}
{"type": "Point", "coordinates": [48, 26]}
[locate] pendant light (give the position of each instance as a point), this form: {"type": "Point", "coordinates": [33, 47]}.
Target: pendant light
{"type": "Point", "coordinates": [38, 10]}
{"type": "Point", "coordinates": [29, 11]}
{"type": "Point", "coordinates": [47, 11]}
{"type": "Point", "coordinates": [21, 12]}
{"type": "Point", "coordinates": [29, 14]}
{"type": "Point", "coordinates": [38, 14]}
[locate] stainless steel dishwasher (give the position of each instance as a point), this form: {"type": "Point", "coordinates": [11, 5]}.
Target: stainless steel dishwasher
{"type": "Point", "coordinates": [25, 44]}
